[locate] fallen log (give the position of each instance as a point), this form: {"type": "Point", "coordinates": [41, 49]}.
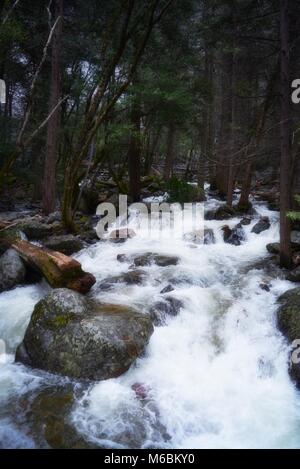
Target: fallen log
{"type": "Point", "coordinates": [59, 270]}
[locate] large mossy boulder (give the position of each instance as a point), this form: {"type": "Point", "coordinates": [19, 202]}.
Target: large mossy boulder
{"type": "Point", "coordinates": [289, 324]}
{"type": "Point", "coordinates": [72, 336]}
{"type": "Point", "coordinates": [67, 244]}
{"type": "Point", "coordinates": [36, 230]}
{"type": "Point", "coordinates": [12, 270]}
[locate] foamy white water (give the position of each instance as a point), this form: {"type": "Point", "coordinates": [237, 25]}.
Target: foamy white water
{"type": "Point", "coordinates": [216, 375]}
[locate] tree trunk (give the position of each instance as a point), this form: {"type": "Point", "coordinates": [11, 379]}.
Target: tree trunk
{"type": "Point", "coordinates": [49, 184]}
{"type": "Point", "coordinates": [134, 152]}
{"type": "Point", "coordinates": [59, 270]}
{"type": "Point", "coordinates": [168, 170]}
{"type": "Point", "coordinates": [285, 162]}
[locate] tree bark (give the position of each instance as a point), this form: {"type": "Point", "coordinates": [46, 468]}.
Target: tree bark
{"type": "Point", "coordinates": [134, 151]}
{"type": "Point", "coordinates": [168, 170]}
{"type": "Point", "coordinates": [285, 162]}
{"type": "Point", "coordinates": [49, 184]}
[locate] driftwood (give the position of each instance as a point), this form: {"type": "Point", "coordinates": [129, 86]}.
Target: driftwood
{"type": "Point", "coordinates": [59, 270]}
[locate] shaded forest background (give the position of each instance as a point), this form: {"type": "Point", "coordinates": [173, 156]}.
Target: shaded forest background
{"type": "Point", "coordinates": [145, 96]}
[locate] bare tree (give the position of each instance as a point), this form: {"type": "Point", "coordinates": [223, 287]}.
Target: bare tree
{"type": "Point", "coordinates": [49, 182]}
{"type": "Point", "coordinates": [286, 160]}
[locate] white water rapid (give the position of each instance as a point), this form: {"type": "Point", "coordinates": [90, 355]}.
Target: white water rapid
{"type": "Point", "coordinates": [216, 376]}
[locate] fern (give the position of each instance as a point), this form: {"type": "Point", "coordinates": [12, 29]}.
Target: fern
{"type": "Point", "coordinates": [293, 214]}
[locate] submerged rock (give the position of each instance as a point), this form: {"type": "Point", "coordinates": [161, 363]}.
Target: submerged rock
{"type": "Point", "coordinates": [289, 324]}
{"type": "Point", "coordinates": [234, 236]}
{"type": "Point", "coordinates": [169, 306]}
{"type": "Point", "coordinates": [167, 289]}
{"type": "Point", "coordinates": [67, 244]}
{"type": "Point", "coordinates": [158, 259]}
{"type": "Point", "coordinates": [120, 236]}
{"type": "Point", "coordinates": [12, 270]}
{"type": "Point", "coordinates": [263, 225]}
{"type": "Point", "coordinates": [47, 415]}
{"type": "Point", "coordinates": [133, 277]}
{"type": "Point", "coordinates": [71, 336]}
{"type": "Point", "coordinates": [205, 236]}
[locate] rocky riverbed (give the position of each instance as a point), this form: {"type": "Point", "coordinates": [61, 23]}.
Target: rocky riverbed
{"type": "Point", "coordinates": [173, 338]}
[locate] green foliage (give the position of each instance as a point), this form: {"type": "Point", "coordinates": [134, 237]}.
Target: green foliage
{"type": "Point", "coordinates": [182, 192]}
{"type": "Point", "coordinates": [294, 215]}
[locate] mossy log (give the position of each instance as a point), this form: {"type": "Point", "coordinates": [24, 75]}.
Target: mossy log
{"type": "Point", "coordinates": [59, 270]}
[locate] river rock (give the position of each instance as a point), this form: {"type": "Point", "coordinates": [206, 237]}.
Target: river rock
{"type": "Point", "coordinates": [120, 236]}
{"type": "Point", "coordinates": [36, 230]}
{"type": "Point", "coordinates": [167, 289]}
{"type": "Point", "coordinates": [295, 237]}
{"type": "Point", "coordinates": [67, 244]}
{"type": "Point", "coordinates": [262, 225]}
{"type": "Point", "coordinates": [294, 275]}
{"type": "Point", "coordinates": [47, 416]}
{"type": "Point", "coordinates": [245, 221]}
{"type": "Point", "coordinates": [12, 270]}
{"type": "Point", "coordinates": [273, 248]}
{"type": "Point", "coordinates": [233, 236]}
{"type": "Point", "coordinates": [205, 236]}
{"type": "Point", "coordinates": [289, 323]}
{"type": "Point", "coordinates": [133, 277]}
{"type": "Point", "coordinates": [54, 217]}
{"type": "Point", "coordinates": [72, 336]}
{"type": "Point", "coordinates": [158, 259]}
{"type": "Point", "coordinates": [169, 306]}
{"type": "Point", "coordinates": [222, 213]}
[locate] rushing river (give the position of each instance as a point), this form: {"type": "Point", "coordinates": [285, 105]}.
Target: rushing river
{"type": "Point", "coordinates": [215, 376]}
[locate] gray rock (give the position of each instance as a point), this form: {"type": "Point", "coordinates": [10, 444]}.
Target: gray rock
{"type": "Point", "coordinates": [263, 225]}
{"type": "Point", "coordinates": [205, 236]}
{"type": "Point", "coordinates": [246, 221]}
{"type": "Point", "coordinates": [162, 309]}
{"type": "Point", "coordinates": [289, 324]}
{"type": "Point", "coordinates": [294, 275]}
{"type": "Point", "coordinates": [120, 236]}
{"type": "Point", "coordinates": [54, 217]}
{"type": "Point", "coordinates": [167, 289]}
{"type": "Point", "coordinates": [234, 236]}
{"type": "Point", "coordinates": [12, 270]}
{"type": "Point", "coordinates": [222, 213]}
{"type": "Point", "coordinates": [36, 230]}
{"type": "Point", "coordinates": [72, 336]}
{"type": "Point", "coordinates": [133, 277]}
{"type": "Point", "coordinates": [295, 237]}
{"type": "Point", "coordinates": [151, 258]}
{"type": "Point", "coordinates": [273, 248]}
{"type": "Point", "coordinates": [67, 244]}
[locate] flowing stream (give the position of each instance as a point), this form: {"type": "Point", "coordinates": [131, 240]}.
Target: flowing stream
{"type": "Point", "coordinates": [215, 376]}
